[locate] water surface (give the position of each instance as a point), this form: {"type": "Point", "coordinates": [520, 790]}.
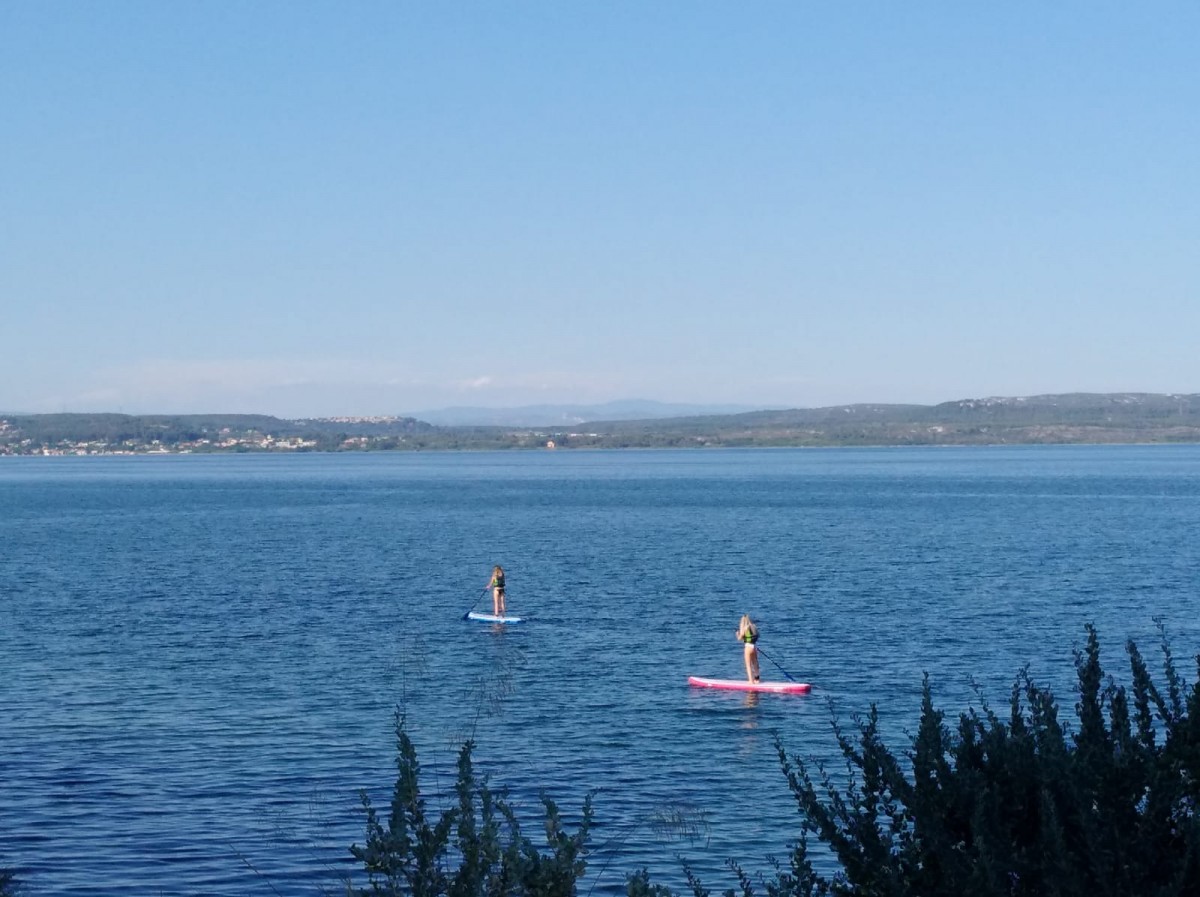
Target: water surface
{"type": "Point", "coordinates": [200, 656]}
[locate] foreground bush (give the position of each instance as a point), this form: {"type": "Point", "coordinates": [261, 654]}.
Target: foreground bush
{"type": "Point", "coordinates": [473, 849]}
{"type": "Point", "coordinates": [1019, 806]}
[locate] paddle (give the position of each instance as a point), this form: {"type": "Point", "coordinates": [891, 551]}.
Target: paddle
{"type": "Point", "coordinates": [772, 659]}
{"type": "Point", "coordinates": [476, 601]}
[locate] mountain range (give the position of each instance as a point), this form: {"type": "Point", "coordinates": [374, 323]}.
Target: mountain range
{"type": "Point", "coordinates": [570, 415]}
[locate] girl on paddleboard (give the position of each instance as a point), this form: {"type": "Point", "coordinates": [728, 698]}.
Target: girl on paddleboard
{"type": "Point", "coordinates": [497, 586]}
{"type": "Point", "coordinates": [747, 634]}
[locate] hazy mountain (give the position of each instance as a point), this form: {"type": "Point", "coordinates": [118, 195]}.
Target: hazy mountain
{"type": "Point", "coordinates": [566, 415]}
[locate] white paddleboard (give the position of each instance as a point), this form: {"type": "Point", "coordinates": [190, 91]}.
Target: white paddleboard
{"type": "Point", "coordinates": [481, 617]}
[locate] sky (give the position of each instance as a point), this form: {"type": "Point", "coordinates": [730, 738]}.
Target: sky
{"type": "Point", "coordinates": [372, 208]}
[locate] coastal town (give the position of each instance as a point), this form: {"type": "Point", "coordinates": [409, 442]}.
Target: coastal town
{"type": "Point", "coordinates": [1043, 420]}
{"type": "Point", "coordinates": [100, 435]}
{"type": "Point", "coordinates": [227, 443]}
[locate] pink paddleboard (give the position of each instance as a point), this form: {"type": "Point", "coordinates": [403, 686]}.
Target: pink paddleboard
{"type": "Point", "coordinates": [779, 688]}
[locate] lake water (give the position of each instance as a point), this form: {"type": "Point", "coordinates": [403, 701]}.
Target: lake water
{"type": "Point", "coordinates": [200, 656]}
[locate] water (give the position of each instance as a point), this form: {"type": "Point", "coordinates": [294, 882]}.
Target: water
{"type": "Point", "coordinates": [200, 657]}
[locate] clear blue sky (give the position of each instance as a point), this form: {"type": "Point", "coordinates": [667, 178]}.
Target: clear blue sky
{"type": "Point", "coordinates": [370, 208]}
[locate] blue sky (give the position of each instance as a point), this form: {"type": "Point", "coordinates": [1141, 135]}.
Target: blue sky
{"type": "Point", "coordinates": [375, 208]}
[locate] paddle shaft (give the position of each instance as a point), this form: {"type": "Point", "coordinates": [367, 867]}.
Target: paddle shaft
{"type": "Point", "coordinates": [476, 601]}
{"type": "Point", "coordinates": [772, 659]}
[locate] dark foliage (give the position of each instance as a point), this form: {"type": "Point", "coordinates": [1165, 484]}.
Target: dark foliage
{"type": "Point", "coordinates": [1019, 805]}
{"type": "Point", "coordinates": [1016, 805]}
{"type": "Point", "coordinates": [472, 849]}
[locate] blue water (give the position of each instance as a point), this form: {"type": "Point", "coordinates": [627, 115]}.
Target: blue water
{"type": "Point", "coordinates": [200, 657]}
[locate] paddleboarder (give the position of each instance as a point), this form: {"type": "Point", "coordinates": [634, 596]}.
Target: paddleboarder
{"type": "Point", "coordinates": [497, 586]}
{"type": "Point", "coordinates": [747, 634]}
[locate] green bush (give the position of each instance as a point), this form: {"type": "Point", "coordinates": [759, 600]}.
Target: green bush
{"type": "Point", "coordinates": [1016, 806]}
{"type": "Point", "coordinates": [474, 849]}
{"type": "Point", "coordinates": [1020, 806]}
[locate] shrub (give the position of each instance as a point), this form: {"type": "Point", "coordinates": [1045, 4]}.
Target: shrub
{"type": "Point", "coordinates": [474, 849]}
{"type": "Point", "coordinates": [1016, 806]}
{"type": "Point", "coordinates": [1020, 806]}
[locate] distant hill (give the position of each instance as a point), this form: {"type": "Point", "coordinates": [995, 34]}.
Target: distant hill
{"type": "Point", "coordinates": [1065, 418]}
{"type": "Point", "coordinates": [114, 428]}
{"type": "Point", "coordinates": [173, 428]}
{"type": "Point", "coordinates": [568, 415]}
{"type": "Point", "coordinates": [1073, 418]}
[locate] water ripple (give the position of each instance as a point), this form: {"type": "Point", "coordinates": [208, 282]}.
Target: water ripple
{"type": "Point", "coordinates": [200, 657]}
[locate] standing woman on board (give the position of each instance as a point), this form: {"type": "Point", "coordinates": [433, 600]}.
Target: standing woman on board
{"type": "Point", "coordinates": [747, 634]}
{"type": "Point", "coordinates": [497, 587]}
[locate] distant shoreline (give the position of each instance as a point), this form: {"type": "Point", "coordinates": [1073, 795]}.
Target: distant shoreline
{"type": "Point", "coordinates": [1067, 419]}
{"type": "Point", "coordinates": [269, 453]}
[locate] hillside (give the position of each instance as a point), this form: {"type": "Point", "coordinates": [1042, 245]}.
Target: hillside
{"type": "Point", "coordinates": [1078, 418]}
{"type": "Point", "coordinates": [1066, 418]}
{"type": "Point", "coordinates": [103, 433]}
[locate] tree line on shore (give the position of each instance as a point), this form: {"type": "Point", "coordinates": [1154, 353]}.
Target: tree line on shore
{"type": "Point", "coordinates": [1054, 419]}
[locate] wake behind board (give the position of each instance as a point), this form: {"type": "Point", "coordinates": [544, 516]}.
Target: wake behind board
{"type": "Point", "coordinates": [779, 688]}
{"type": "Point", "coordinates": [493, 618]}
